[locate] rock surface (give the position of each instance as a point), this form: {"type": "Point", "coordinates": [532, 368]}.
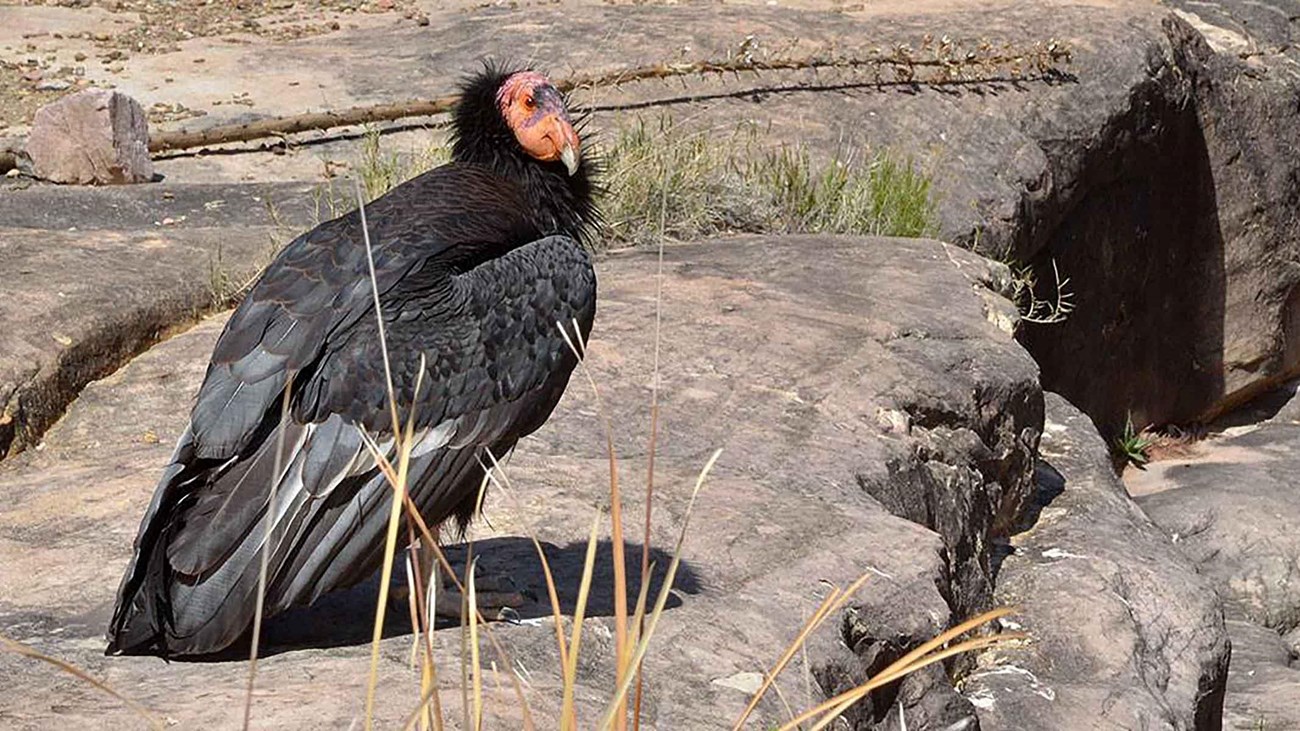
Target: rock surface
{"type": "Point", "coordinates": [1125, 633]}
{"type": "Point", "coordinates": [1156, 171]}
{"type": "Point", "coordinates": [91, 278]}
{"type": "Point", "coordinates": [95, 136]}
{"type": "Point", "coordinates": [1264, 680]}
{"type": "Point", "coordinates": [801, 357]}
{"type": "Point", "coordinates": [1233, 508]}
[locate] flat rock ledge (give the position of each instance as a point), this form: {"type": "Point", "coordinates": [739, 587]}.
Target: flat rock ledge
{"type": "Point", "coordinates": [820, 365]}
{"type": "Point", "coordinates": [92, 277]}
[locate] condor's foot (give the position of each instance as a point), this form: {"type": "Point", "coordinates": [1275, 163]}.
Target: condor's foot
{"type": "Point", "coordinates": [495, 595]}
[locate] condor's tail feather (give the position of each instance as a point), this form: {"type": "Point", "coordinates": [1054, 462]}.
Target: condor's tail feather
{"type": "Point", "coordinates": [191, 587]}
{"type": "Point", "coordinates": [191, 584]}
{"type": "Point", "coordinates": [143, 602]}
{"type": "Point", "coordinates": [139, 624]}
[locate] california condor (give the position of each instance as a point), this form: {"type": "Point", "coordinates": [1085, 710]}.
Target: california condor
{"type": "Point", "coordinates": [475, 262]}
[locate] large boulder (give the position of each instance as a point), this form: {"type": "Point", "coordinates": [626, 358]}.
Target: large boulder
{"type": "Point", "coordinates": [96, 136]}
{"type": "Point", "coordinates": [1178, 235]}
{"type": "Point", "coordinates": [1125, 632]}
{"type": "Point", "coordinates": [820, 365]}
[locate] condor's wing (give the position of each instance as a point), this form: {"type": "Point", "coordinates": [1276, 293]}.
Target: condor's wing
{"type": "Point", "coordinates": [309, 319]}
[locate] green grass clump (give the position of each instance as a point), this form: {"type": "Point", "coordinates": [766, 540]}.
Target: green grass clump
{"type": "Point", "coordinates": [662, 181]}
{"type": "Point", "coordinates": [382, 170]}
{"type": "Point", "coordinates": [881, 196]}
{"type": "Point", "coordinates": [666, 180]}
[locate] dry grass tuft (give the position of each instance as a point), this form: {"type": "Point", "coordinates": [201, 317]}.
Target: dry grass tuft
{"type": "Point", "coordinates": [714, 183]}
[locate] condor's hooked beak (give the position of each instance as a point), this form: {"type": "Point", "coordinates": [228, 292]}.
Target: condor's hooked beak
{"type": "Point", "coordinates": [569, 157]}
{"type": "Point", "coordinates": [559, 130]}
{"type": "Point", "coordinates": [549, 136]}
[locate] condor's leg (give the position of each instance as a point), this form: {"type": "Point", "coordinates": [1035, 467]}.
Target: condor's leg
{"type": "Point", "coordinates": [494, 594]}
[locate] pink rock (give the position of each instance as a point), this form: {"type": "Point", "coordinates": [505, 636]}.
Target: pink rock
{"type": "Point", "coordinates": [91, 137]}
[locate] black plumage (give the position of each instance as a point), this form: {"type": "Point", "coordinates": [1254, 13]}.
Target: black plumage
{"type": "Point", "coordinates": [475, 264]}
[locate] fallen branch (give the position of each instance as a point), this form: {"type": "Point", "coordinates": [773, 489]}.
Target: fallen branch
{"type": "Point", "coordinates": [282, 126]}
{"type": "Point", "coordinates": [935, 62]}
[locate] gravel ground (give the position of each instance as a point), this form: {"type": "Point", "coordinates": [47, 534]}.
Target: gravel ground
{"type": "Point", "coordinates": [35, 73]}
{"type": "Point", "coordinates": [162, 24]}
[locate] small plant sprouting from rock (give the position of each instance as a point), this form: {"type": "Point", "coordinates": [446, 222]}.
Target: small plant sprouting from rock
{"type": "Point", "coordinates": [1132, 445]}
{"type": "Point", "coordinates": [1050, 311]}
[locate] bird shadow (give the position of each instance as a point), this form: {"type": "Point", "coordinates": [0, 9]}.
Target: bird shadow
{"type": "Point", "coordinates": [345, 618]}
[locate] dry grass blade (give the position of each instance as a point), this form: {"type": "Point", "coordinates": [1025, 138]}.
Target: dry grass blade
{"type": "Point", "coordinates": [831, 604]}
{"type": "Point", "coordinates": [553, 595]}
{"type": "Point", "coordinates": [615, 518]}
{"type": "Point", "coordinates": [911, 662]}
{"type": "Point", "coordinates": [404, 451]}
{"type": "Point", "coordinates": [471, 602]}
{"type": "Point", "coordinates": [568, 716]}
{"type": "Point", "coordinates": [616, 524]}
{"type": "Point", "coordinates": [19, 648]}
{"type": "Point", "coordinates": [780, 696]}
{"type": "Point", "coordinates": [429, 680]}
{"type": "Point", "coordinates": [422, 637]}
{"type": "Point", "coordinates": [638, 614]}
{"type": "Point", "coordinates": [423, 619]}
{"type": "Point", "coordinates": [651, 448]}
{"type": "Point", "coordinates": [266, 550]}
{"type": "Point", "coordinates": [499, 478]}
{"type": "Point", "coordinates": [397, 478]}
{"type": "Point", "coordinates": [847, 699]}
{"type": "Point", "coordinates": [951, 633]}
{"type": "Point", "coordinates": [644, 643]}
{"type": "Point", "coordinates": [414, 515]}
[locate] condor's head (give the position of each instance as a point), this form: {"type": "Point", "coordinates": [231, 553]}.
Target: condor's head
{"type": "Point", "coordinates": [516, 122]}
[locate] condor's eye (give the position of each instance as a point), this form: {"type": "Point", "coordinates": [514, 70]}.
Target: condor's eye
{"type": "Point", "coordinates": [529, 102]}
